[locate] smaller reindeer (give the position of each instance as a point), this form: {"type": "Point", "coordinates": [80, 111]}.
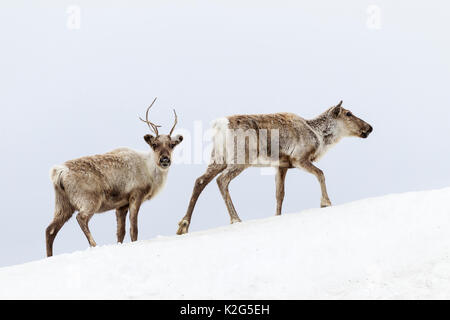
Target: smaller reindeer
{"type": "Point", "coordinates": [299, 143]}
{"type": "Point", "coordinates": [121, 179]}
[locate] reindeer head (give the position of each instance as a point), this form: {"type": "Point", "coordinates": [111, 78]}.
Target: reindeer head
{"type": "Point", "coordinates": [161, 144]}
{"type": "Point", "coordinates": [352, 125]}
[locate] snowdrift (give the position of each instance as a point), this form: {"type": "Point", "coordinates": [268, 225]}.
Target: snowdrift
{"type": "Point", "coordinates": [396, 246]}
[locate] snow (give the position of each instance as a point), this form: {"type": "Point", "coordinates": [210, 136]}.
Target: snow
{"type": "Point", "coordinates": [391, 247]}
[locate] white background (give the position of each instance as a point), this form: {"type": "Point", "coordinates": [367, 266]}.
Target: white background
{"type": "Point", "coordinates": [66, 93]}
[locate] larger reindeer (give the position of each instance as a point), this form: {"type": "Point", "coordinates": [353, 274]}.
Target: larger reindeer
{"type": "Point", "coordinates": [121, 179]}
{"type": "Point", "coordinates": [300, 142]}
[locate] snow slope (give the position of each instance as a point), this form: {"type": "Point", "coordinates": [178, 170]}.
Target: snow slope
{"type": "Point", "coordinates": [396, 246]}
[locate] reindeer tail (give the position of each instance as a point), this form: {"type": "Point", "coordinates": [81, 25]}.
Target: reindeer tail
{"type": "Point", "coordinates": [219, 127]}
{"type": "Point", "coordinates": [56, 174]}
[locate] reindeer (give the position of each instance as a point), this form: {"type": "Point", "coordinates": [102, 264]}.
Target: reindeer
{"type": "Point", "coordinates": [121, 179]}
{"type": "Point", "coordinates": [297, 144]}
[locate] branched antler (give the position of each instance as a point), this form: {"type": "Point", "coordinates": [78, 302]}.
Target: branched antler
{"type": "Point", "coordinates": [176, 121]}
{"type": "Point", "coordinates": [153, 127]}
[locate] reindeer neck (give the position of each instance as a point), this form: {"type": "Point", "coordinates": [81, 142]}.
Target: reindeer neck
{"type": "Point", "coordinates": [326, 127]}
{"type": "Point", "coordinates": [148, 158]}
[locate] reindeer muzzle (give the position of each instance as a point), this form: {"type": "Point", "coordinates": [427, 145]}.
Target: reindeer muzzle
{"type": "Point", "coordinates": [366, 133]}
{"type": "Point", "coordinates": [164, 162]}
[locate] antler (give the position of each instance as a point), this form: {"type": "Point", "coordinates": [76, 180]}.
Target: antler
{"type": "Point", "coordinates": [153, 127]}
{"type": "Point", "coordinates": [176, 120]}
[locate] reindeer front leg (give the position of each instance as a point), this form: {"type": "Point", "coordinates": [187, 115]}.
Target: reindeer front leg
{"type": "Point", "coordinates": [121, 215]}
{"type": "Point", "coordinates": [309, 167]}
{"type": "Point", "coordinates": [135, 204]}
{"type": "Point", "coordinates": [279, 181]}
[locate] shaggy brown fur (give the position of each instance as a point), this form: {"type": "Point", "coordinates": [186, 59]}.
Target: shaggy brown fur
{"type": "Point", "coordinates": [300, 142]}
{"type": "Point", "coordinates": [121, 179]}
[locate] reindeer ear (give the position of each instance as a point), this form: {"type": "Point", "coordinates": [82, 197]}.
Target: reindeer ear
{"type": "Point", "coordinates": [335, 111]}
{"type": "Point", "coordinates": [177, 139]}
{"type": "Point", "coordinates": [149, 138]}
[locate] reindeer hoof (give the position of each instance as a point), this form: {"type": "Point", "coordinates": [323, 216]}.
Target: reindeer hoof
{"type": "Point", "coordinates": [235, 220]}
{"type": "Point", "coordinates": [183, 227]}
{"type": "Point", "coordinates": [325, 203]}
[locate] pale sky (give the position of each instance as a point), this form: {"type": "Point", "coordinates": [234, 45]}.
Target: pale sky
{"type": "Point", "coordinates": [67, 93]}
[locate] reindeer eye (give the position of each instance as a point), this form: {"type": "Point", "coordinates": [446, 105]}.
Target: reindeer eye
{"type": "Point", "coordinates": [154, 145]}
{"type": "Point", "coordinates": [172, 145]}
{"type": "Point", "coordinates": [348, 114]}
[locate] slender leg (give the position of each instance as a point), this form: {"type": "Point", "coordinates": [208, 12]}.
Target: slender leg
{"type": "Point", "coordinates": [83, 218]}
{"type": "Point", "coordinates": [135, 205]}
{"type": "Point", "coordinates": [309, 167]}
{"type": "Point", "coordinates": [121, 214]}
{"type": "Point", "coordinates": [52, 230]}
{"type": "Point", "coordinates": [279, 180]}
{"type": "Point", "coordinates": [63, 212]}
{"type": "Point", "coordinates": [231, 172]}
{"type": "Point", "coordinates": [200, 184]}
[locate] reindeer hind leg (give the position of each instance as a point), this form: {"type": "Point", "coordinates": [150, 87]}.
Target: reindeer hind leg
{"type": "Point", "coordinates": [63, 212]}
{"type": "Point", "coordinates": [213, 170]}
{"type": "Point", "coordinates": [231, 172]}
{"type": "Point", "coordinates": [83, 218]}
